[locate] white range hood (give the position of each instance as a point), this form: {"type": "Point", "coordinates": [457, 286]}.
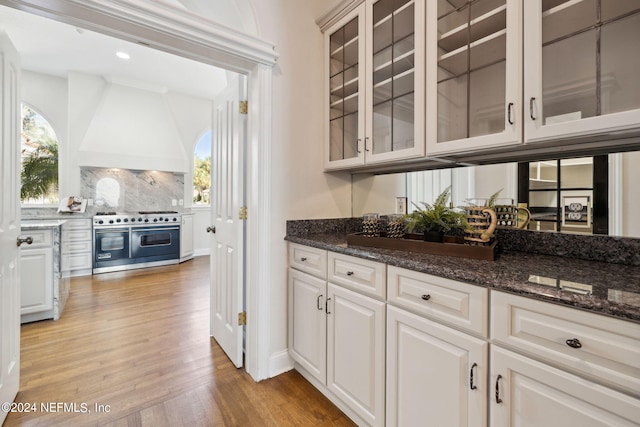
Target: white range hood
{"type": "Point", "coordinates": [131, 128]}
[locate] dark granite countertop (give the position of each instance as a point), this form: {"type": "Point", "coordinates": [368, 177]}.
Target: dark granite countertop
{"type": "Point", "coordinates": [599, 287]}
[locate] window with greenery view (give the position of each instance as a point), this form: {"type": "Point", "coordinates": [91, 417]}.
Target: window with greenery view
{"type": "Point", "coordinates": [39, 157]}
{"type": "Point", "coordinates": [202, 170]}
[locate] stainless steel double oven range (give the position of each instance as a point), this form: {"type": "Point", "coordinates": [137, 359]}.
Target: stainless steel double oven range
{"type": "Point", "coordinates": [124, 241]}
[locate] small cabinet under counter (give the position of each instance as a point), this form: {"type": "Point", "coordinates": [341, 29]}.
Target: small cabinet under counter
{"type": "Point", "coordinates": [43, 294]}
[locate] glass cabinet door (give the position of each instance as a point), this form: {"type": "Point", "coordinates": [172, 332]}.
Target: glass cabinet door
{"type": "Point", "coordinates": [346, 90]}
{"type": "Point", "coordinates": [473, 74]}
{"type": "Point", "coordinates": [395, 80]}
{"type": "Point", "coordinates": [581, 66]}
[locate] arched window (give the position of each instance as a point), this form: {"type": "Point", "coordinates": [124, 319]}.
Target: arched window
{"type": "Point", "coordinates": [39, 158]}
{"type": "Point", "coordinates": [202, 170]}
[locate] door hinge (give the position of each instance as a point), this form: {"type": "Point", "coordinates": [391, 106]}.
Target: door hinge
{"type": "Point", "coordinates": [242, 318]}
{"type": "Point", "coordinates": [243, 213]}
{"type": "Point", "coordinates": [244, 107]}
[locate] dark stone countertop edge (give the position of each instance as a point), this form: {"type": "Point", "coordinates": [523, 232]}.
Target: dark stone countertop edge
{"type": "Point", "coordinates": [491, 274]}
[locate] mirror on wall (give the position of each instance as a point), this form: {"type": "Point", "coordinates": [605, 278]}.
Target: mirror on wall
{"type": "Point", "coordinates": [560, 193]}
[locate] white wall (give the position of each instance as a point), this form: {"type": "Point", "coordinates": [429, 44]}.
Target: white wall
{"type": "Point", "coordinates": [300, 187]}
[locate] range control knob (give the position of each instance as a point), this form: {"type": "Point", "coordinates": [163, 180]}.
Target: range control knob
{"type": "Point", "coordinates": [175, 219]}
{"type": "Point", "coordinates": [140, 219]}
{"type": "Point", "coordinates": [110, 221]}
{"type": "Point", "coordinates": [100, 222]}
{"type": "Point", "coordinates": [118, 220]}
{"type": "Point", "coordinates": [155, 219]}
{"type": "Point", "coordinates": [133, 220]}
{"type": "Point", "coordinates": [166, 219]}
{"type": "Point", "coordinates": [146, 220]}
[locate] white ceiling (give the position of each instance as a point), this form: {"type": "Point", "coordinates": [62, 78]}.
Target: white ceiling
{"type": "Point", "coordinates": [51, 47]}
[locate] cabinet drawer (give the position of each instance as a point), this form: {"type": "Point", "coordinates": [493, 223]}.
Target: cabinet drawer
{"type": "Point", "coordinates": [609, 349]}
{"type": "Point", "coordinates": [449, 301]}
{"type": "Point", "coordinates": [308, 259]}
{"type": "Point", "coordinates": [76, 261]}
{"type": "Point", "coordinates": [77, 224]}
{"type": "Point", "coordinates": [76, 235]}
{"type": "Point", "coordinates": [41, 238]}
{"type": "Point", "coordinates": [360, 275]}
{"type": "Point", "coordinates": [77, 247]}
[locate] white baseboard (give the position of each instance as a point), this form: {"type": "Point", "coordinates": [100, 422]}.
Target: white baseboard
{"type": "Point", "coordinates": [202, 252]}
{"type": "Point", "coordinates": [279, 363]}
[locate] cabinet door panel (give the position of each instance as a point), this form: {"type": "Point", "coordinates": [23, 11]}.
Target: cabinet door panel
{"type": "Point", "coordinates": [474, 69]}
{"type": "Point", "coordinates": [533, 394]}
{"type": "Point", "coordinates": [356, 352]}
{"type": "Point", "coordinates": [36, 281]}
{"type": "Point", "coordinates": [592, 93]}
{"type": "Point", "coordinates": [429, 374]}
{"type": "Point", "coordinates": [345, 93]}
{"type": "Point", "coordinates": [308, 323]}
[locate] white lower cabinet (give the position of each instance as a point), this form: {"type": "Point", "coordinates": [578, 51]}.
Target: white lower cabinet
{"type": "Point", "coordinates": [337, 339]}
{"type": "Point", "coordinates": [186, 237]}
{"type": "Point", "coordinates": [422, 359]}
{"type": "Point", "coordinates": [308, 323]}
{"type": "Point", "coordinates": [436, 375]}
{"type": "Point", "coordinates": [36, 281]}
{"type": "Point", "coordinates": [530, 393]}
{"type": "Point", "coordinates": [356, 352]}
{"type": "Point", "coordinates": [77, 247]}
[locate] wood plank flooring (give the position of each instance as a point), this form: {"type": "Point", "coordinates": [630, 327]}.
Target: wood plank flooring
{"type": "Point", "coordinates": [133, 349]}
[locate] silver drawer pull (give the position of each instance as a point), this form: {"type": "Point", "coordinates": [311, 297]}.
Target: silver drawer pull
{"type": "Point", "coordinates": [574, 343]}
{"type": "Point", "coordinates": [426, 297]}
{"type": "Point", "coordinates": [349, 273]}
{"type": "Point", "coordinates": [303, 259]}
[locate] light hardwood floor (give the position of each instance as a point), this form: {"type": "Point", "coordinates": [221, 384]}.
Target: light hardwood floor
{"type": "Point", "coordinates": [138, 342]}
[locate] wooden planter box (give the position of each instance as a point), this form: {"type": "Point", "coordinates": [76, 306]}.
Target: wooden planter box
{"type": "Point", "coordinates": [452, 246]}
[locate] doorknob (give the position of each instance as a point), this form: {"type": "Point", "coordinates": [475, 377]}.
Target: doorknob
{"type": "Point", "coordinates": [211, 230]}
{"type": "Point", "coordinates": [28, 241]}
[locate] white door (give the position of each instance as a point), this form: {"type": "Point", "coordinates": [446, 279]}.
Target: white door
{"type": "Point", "coordinates": [227, 238]}
{"type": "Point", "coordinates": [9, 224]}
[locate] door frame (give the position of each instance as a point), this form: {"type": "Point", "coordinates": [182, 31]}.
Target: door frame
{"type": "Point", "coordinates": [163, 27]}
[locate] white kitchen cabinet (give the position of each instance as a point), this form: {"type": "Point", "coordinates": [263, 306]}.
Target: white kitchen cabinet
{"type": "Point", "coordinates": [40, 276]}
{"type": "Point", "coordinates": [186, 237]}
{"type": "Point", "coordinates": [337, 336]}
{"type": "Point", "coordinates": [356, 352]}
{"type": "Point", "coordinates": [569, 95]}
{"type": "Point", "coordinates": [77, 247]}
{"type": "Point", "coordinates": [36, 280]}
{"type": "Point", "coordinates": [474, 75]}
{"type": "Point", "coordinates": [436, 375]}
{"type": "Point", "coordinates": [375, 84]}
{"type": "Point", "coordinates": [526, 392]}
{"type": "Point", "coordinates": [603, 349]}
{"type": "Point", "coordinates": [308, 323]}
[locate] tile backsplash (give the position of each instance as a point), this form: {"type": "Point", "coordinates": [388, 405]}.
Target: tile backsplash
{"type": "Point", "coordinates": [125, 190]}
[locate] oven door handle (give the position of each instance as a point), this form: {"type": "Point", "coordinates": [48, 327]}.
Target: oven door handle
{"type": "Point", "coordinates": [154, 229]}
{"type": "Point", "coordinates": [111, 230]}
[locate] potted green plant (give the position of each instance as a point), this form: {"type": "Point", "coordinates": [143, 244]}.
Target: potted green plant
{"type": "Point", "coordinates": [434, 220]}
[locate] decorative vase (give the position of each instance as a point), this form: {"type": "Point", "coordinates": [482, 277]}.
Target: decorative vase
{"type": "Point", "coordinates": [434, 236]}
{"type": "Point", "coordinates": [395, 226]}
{"type": "Point", "coordinates": [482, 223]}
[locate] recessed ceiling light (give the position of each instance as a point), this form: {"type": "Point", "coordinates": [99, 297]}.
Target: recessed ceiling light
{"type": "Point", "coordinates": [123, 55]}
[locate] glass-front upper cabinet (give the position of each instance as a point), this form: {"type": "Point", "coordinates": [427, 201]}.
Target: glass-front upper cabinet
{"type": "Point", "coordinates": [582, 64]}
{"type": "Point", "coordinates": [473, 75]}
{"type": "Point", "coordinates": [375, 84]}
{"type": "Point", "coordinates": [345, 48]}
